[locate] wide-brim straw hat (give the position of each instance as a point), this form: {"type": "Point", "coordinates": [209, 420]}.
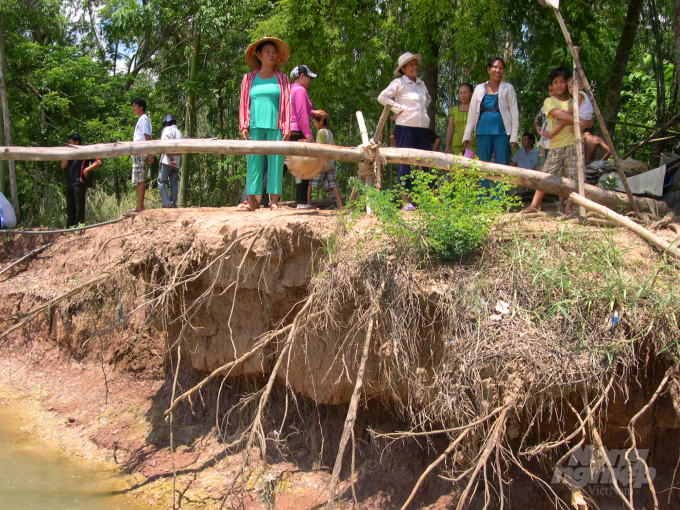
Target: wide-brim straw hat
{"type": "Point", "coordinates": [405, 59]}
{"type": "Point", "coordinates": [254, 62]}
{"type": "Point", "coordinates": [304, 167]}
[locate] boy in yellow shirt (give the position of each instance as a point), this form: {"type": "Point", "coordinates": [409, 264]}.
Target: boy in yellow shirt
{"type": "Point", "coordinates": [562, 156]}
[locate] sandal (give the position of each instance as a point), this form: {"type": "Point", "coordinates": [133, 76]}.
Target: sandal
{"type": "Point", "coordinates": [409, 207]}
{"type": "Point", "coordinates": [131, 212]}
{"type": "Point", "coordinates": [274, 207]}
{"type": "Point", "coordinates": [243, 206]}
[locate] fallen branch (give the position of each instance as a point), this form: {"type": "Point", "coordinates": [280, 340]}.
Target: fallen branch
{"type": "Point", "coordinates": [516, 176]}
{"type": "Point", "coordinates": [27, 256]}
{"type": "Point", "coordinates": [628, 223]}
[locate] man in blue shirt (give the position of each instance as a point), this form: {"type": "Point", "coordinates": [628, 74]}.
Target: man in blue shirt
{"type": "Point", "coordinates": [526, 156]}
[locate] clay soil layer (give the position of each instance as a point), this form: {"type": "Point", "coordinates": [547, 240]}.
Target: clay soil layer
{"type": "Point", "coordinates": [96, 370]}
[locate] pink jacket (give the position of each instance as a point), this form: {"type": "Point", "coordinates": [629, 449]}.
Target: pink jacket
{"type": "Point", "coordinates": [283, 122]}
{"type": "Point", "coordinates": [302, 110]}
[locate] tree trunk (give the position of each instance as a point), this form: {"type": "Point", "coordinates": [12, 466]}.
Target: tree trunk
{"type": "Point", "coordinates": [5, 118]}
{"type": "Point", "coordinates": [430, 77]}
{"type": "Point", "coordinates": [676, 37]}
{"type": "Point", "coordinates": [612, 100]}
{"type": "Point", "coordinates": [189, 122]}
{"type": "Point", "coordinates": [2, 163]}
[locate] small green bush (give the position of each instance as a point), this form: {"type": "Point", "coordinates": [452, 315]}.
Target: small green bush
{"type": "Point", "coordinates": [453, 214]}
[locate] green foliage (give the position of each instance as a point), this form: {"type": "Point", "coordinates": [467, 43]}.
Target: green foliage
{"type": "Point", "coordinates": [75, 66]}
{"type": "Point", "coordinates": [609, 183]}
{"type": "Point", "coordinates": [453, 216]}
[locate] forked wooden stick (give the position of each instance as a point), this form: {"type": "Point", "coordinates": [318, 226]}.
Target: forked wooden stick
{"type": "Point", "coordinates": [596, 109]}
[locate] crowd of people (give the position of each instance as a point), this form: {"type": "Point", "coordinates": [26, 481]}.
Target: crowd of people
{"type": "Point", "coordinates": [275, 107]}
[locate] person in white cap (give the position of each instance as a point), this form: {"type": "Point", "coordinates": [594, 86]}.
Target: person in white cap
{"type": "Point", "coordinates": [301, 115]}
{"type": "Point", "coordinates": [409, 99]}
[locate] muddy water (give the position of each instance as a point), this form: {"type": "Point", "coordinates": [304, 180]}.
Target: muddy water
{"type": "Point", "coordinates": [34, 478]}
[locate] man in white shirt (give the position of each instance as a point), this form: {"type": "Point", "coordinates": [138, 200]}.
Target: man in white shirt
{"type": "Point", "coordinates": [169, 164]}
{"type": "Point", "coordinates": [140, 163]}
{"type": "Point", "coordinates": [527, 155]}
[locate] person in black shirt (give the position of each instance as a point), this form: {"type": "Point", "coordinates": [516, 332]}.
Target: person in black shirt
{"type": "Point", "coordinates": [76, 172]}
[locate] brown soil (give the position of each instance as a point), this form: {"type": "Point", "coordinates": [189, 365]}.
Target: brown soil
{"type": "Point", "coordinates": [101, 380]}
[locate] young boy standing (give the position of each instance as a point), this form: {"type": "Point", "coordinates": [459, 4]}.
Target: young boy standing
{"type": "Point", "coordinates": [562, 156]}
{"type": "Point", "coordinates": [140, 162]}
{"type": "Point", "coordinates": [327, 175]}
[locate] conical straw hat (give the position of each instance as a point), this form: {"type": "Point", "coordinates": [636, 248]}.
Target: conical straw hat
{"type": "Point", "coordinates": [254, 62]}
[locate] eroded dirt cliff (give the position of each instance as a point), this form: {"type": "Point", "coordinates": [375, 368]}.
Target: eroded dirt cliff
{"type": "Point", "coordinates": [456, 346]}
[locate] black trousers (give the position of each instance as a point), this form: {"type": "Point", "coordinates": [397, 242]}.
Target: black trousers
{"type": "Point", "coordinates": [300, 189]}
{"type": "Point", "coordinates": [75, 203]}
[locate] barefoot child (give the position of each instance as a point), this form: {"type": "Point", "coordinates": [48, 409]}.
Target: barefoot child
{"type": "Point", "coordinates": [562, 156]}
{"type": "Point", "coordinates": [327, 175]}
{"type": "Point", "coordinates": [585, 113]}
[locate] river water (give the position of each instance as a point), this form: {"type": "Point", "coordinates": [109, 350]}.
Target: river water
{"type": "Point", "coordinates": [33, 477]}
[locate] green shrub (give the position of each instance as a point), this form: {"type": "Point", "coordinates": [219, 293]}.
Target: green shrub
{"type": "Point", "coordinates": [453, 214]}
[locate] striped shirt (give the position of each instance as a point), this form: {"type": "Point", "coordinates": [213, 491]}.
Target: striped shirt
{"type": "Point", "coordinates": [283, 122]}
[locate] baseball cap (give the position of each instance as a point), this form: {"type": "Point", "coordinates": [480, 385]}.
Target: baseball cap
{"type": "Point", "coordinates": [301, 69]}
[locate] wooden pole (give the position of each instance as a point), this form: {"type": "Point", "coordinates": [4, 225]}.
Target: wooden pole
{"type": "Point", "coordinates": [362, 128]}
{"type": "Point", "coordinates": [450, 162]}
{"type": "Point", "coordinates": [596, 109]}
{"type": "Point", "coordinates": [364, 141]}
{"type": "Point", "coordinates": [647, 235]}
{"type": "Point", "coordinates": [580, 160]}
{"type": "Point", "coordinates": [381, 123]}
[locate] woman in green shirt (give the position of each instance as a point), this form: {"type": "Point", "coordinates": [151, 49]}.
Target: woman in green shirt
{"type": "Point", "coordinates": [457, 120]}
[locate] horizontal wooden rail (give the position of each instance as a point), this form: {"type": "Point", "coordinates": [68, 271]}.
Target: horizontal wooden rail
{"type": "Point", "coordinates": [513, 175]}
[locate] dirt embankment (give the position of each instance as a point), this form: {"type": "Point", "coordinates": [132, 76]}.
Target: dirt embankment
{"type": "Point", "coordinates": [208, 286]}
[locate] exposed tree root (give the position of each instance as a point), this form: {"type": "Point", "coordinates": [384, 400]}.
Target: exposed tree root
{"type": "Point", "coordinates": [28, 317]}
{"type": "Point", "coordinates": [354, 403]}
{"type": "Point", "coordinates": [256, 426]}
{"type": "Point", "coordinates": [493, 442]}
{"type": "Point", "coordinates": [434, 465]}
{"type": "Point", "coordinates": [597, 439]}
{"type": "Point", "coordinates": [262, 342]}
{"type": "Point", "coordinates": [633, 441]}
